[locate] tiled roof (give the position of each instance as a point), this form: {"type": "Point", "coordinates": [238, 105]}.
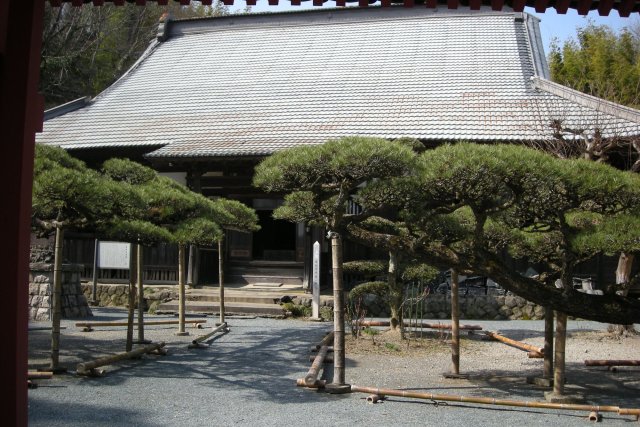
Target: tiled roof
{"type": "Point", "coordinates": [604, 7]}
{"type": "Point", "coordinates": [252, 85]}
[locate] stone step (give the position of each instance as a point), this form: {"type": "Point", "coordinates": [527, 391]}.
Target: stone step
{"type": "Point", "coordinates": [248, 278]}
{"type": "Point", "coordinates": [236, 297]}
{"type": "Point", "coordinates": [209, 307]}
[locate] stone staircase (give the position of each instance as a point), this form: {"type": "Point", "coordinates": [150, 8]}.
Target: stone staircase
{"type": "Point", "coordinates": [275, 273]}
{"type": "Point", "coordinates": [239, 299]}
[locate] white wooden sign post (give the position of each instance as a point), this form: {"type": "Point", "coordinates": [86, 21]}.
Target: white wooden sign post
{"type": "Point", "coordinates": [315, 284]}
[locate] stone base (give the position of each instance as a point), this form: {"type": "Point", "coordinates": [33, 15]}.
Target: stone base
{"type": "Point", "coordinates": [316, 319]}
{"type": "Point", "coordinates": [182, 334]}
{"type": "Point", "coordinates": [539, 381]}
{"type": "Point", "coordinates": [337, 388]}
{"type": "Point", "coordinates": [552, 397]}
{"type": "Point", "coordinates": [452, 376]}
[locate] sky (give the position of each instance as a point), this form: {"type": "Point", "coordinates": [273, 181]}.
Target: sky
{"type": "Point", "coordinates": [552, 25]}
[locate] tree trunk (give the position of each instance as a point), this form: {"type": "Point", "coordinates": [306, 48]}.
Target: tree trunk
{"type": "Point", "coordinates": [181, 291]}
{"type": "Point", "coordinates": [623, 276]}
{"type": "Point", "coordinates": [395, 293]}
{"type": "Point", "coordinates": [132, 296]}
{"type": "Point", "coordinates": [455, 324]}
{"type": "Point", "coordinates": [56, 300]}
{"type": "Point", "coordinates": [221, 278]}
{"type": "Point", "coordinates": [338, 310]}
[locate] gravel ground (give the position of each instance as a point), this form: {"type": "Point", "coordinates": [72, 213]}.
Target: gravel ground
{"type": "Point", "coordinates": [247, 377]}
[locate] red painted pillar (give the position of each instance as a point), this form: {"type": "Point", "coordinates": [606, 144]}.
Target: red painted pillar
{"type": "Point", "coordinates": [20, 117]}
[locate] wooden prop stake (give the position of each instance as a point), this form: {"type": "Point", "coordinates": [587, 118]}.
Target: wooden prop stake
{"type": "Point", "coordinates": [196, 343]}
{"type": "Point", "coordinates": [89, 368]}
{"type": "Point", "coordinates": [88, 326]}
{"type": "Point", "coordinates": [517, 344]}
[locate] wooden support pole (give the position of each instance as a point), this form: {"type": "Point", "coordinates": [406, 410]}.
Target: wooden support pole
{"type": "Point", "coordinates": [132, 296]}
{"type": "Point", "coordinates": [88, 368]}
{"type": "Point", "coordinates": [548, 343]}
{"type": "Point", "coordinates": [181, 292]}
{"type": "Point", "coordinates": [338, 311]}
{"type": "Point", "coordinates": [559, 362]}
{"type": "Point", "coordinates": [314, 370]}
{"type": "Point", "coordinates": [94, 277]}
{"type": "Point", "coordinates": [455, 324]}
{"type": "Point", "coordinates": [221, 279]}
{"type": "Point", "coordinates": [300, 382]}
{"type": "Point", "coordinates": [56, 300]}
{"type": "Point", "coordinates": [140, 295]}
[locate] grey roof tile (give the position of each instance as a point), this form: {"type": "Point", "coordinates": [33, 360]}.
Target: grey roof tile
{"type": "Point", "coordinates": [255, 85]}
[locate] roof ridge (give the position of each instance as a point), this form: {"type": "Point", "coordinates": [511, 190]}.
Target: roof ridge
{"type": "Point", "coordinates": [312, 17]}
{"type": "Point", "coordinates": [586, 100]}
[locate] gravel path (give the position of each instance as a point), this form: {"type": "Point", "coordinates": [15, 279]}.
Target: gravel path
{"type": "Point", "coordinates": [247, 377]}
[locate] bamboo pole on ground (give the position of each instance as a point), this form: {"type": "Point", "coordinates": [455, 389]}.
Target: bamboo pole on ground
{"type": "Point", "coordinates": [89, 325]}
{"type": "Point", "coordinates": [181, 292]}
{"type": "Point", "coordinates": [56, 300]}
{"type": "Point", "coordinates": [132, 296]}
{"type": "Point", "coordinates": [221, 279]}
{"type": "Point", "coordinates": [455, 324]}
{"type": "Point", "coordinates": [421, 325]}
{"type": "Point", "coordinates": [39, 375]}
{"type": "Point", "coordinates": [88, 368]}
{"type": "Point", "coordinates": [492, 401]}
{"type": "Point", "coordinates": [196, 342]}
{"type": "Point", "coordinates": [610, 362]}
{"type": "Point", "coordinates": [518, 344]}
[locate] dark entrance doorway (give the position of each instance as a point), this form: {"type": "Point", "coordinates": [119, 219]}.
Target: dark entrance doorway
{"type": "Point", "coordinates": [276, 239]}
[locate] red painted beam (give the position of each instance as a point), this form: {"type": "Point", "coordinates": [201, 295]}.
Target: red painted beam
{"type": "Point", "coordinates": [625, 8]}
{"type": "Point", "coordinates": [385, 3]}
{"type": "Point", "coordinates": [341, 3]}
{"type": "Point", "coordinates": [227, 2]}
{"type": "Point", "coordinates": [475, 4]}
{"type": "Point", "coordinates": [409, 3]}
{"type": "Point", "coordinates": [253, 2]}
{"type": "Point", "coordinates": [604, 7]}
{"type": "Point", "coordinates": [584, 6]}
{"type": "Point", "coordinates": [77, 3]}
{"type": "Point", "coordinates": [20, 116]}
{"type": "Point", "coordinates": [274, 2]}
{"type": "Point", "coordinates": [363, 3]}
{"type": "Point", "coordinates": [518, 5]}
{"type": "Point", "coordinates": [98, 2]}
{"type": "Point", "coordinates": [497, 5]}
{"type": "Point", "coordinates": [431, 3]}
{"type": "Point", "coordinates": [185, 2]}
{"type": "Point", "coordinates": [562, 6]}
{"type": "Point", "coordinates": [541, 6]}
{"type": "Point", "coordinates": [452, 4]}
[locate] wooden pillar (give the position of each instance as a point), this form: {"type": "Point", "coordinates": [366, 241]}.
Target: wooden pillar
{"type": "Point", "coordinates": [559, 362]}
{"type": "Point", "coordinates": [455, 324]}
{"type": "Point", "coordinates": [221, 277]}
{"type": "Point", "coordinates": [181, 291]}
{"type": "Point", "coordinates": [56, 299]}
{"type": "Point", "coordinates": [139, 274]}
{"type": "Point", "coordinates": [131, 300]}
{"type": "Point", "coordinates": [548, 343]}
{"type": "Point", "coordinates": [20, 117]}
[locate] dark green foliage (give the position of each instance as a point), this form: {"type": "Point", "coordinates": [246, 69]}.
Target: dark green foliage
{"type": "Point", "coordinates": [376, 288]}
{"type": "Point", "coordinates": [200, 231]}
{"type": "Point", "coordinates": [128, 171]}
{"type": "Point", "coordinates": [365, 268]}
